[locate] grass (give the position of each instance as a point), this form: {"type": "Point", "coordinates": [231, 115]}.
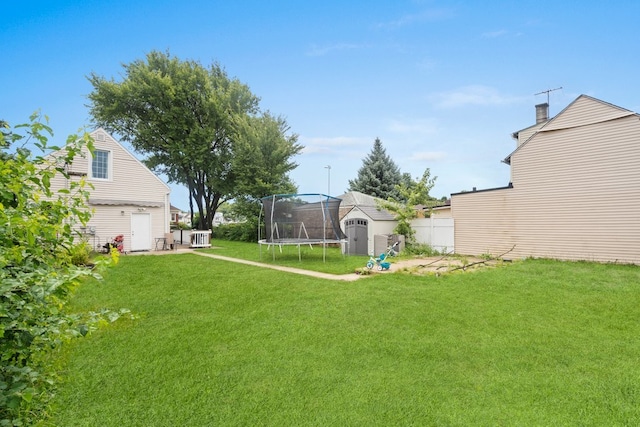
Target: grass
{"type": "Point", "coordinates": [536, 343]}
{"type": "Point", "coordinates": [310, 258]}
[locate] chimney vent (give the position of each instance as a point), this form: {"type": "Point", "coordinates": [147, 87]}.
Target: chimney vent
{"type": "Point", "coordinates": [542, 113]}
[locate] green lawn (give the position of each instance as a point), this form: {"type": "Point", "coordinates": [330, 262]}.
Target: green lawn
{"type": "Point", "coordinates": [310, 257]}
{"type": "Point", "coordinates": [534, 343]}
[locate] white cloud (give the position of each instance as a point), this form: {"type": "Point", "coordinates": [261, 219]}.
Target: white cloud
{"type": "Point", "coordinates": [330, 145]}
{"type": "Point", "coordinates": [500, 33]}
{"type": "Point", "coordinates": [494, 34]}
{"type": "Point", "coordinates": [428, 15]}
{"type": "Point", "coordinates": [427, 64]}
{"type": "Point", "coordinates": [472, 95]}
{"type": "Point", "coordinates": [316, 50]}
{"type": "Point", "coordinates": [413, 126]}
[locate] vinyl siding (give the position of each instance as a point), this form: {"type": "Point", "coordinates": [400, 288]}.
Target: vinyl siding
{"type": "Point", "coordinates": [483, 223]}
{"type": "Point", "coordinates": [584, 111]}
{"type": "Point", "coordinates": [575, 193]}
{"type": "Point", "coordinates": [109, 221]}
{"type": "Point", "coordinates": [130, 179]}
{"type": "Point", "coordinates": [131, 188]}
{"type": "Point", "coordinates": [374, 227]}
{"type": "Point", "coordinates": [441, 212]}
{"type": "Point", "coordinates": [527, 133]}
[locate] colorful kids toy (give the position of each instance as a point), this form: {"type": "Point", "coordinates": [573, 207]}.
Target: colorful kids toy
{"type": "Point", "coordinates": [379, 262]}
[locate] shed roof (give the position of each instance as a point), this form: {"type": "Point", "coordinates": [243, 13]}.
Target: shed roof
{"type": "Point", "coordinates": [356, 198]}
{"type": "Point", "coordinates": [366, 204]}
{"type": "Point", "coordinates": [377, 214]}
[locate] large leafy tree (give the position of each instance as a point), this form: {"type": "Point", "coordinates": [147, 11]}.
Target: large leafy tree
{"type": "Point", "coordinates": [262, 156]}
{"type": "Point", "coordinates": [379, 176]}
{"type": "Point", "coordinates": [263, 153]}
{"type": "Point", "coordinates": [193, 123]}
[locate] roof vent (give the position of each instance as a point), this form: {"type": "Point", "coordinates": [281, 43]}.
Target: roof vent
{"type": "Point", "coordinates": [542, 113]}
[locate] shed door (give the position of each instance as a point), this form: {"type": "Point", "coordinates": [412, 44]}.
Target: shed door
{"type": "Point", "coordinates": [140, 231]}
{"type": "Point", "coordinates": [357, 233]}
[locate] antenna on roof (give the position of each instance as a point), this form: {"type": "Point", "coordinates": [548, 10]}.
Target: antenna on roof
{"type": "Point", "coordinates": [547, 92]}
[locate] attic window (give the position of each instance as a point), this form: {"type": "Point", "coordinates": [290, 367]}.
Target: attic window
{"type": "Point", "coordinates": [100, 137]}
{"type": "Point", "coordinates": [100, 164]}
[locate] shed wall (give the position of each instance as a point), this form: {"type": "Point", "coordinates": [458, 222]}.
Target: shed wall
{"type": "Point", "coordinates": [374, 227]}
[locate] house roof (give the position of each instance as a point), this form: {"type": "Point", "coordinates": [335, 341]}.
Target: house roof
{"type": "Point", "coordinates": [602, 112]}
{"type": "Point", "coordinates": [112, 202]}
{"type": "Point", "coordinates": [532, 128]}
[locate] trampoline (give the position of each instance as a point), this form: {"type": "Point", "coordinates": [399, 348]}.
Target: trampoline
{"type": "Point", "coordinates": [300, 219]}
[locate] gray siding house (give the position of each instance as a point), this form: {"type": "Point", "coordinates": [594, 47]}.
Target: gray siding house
{"type": "Point", "coordinates": [574, 192]}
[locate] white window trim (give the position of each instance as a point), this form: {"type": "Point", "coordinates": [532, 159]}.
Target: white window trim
{"type": "Point", "coordinates": [109, 167]}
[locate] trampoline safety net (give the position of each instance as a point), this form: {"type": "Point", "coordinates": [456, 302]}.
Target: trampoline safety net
{"type": "Point", "coordinates": [301, 218]}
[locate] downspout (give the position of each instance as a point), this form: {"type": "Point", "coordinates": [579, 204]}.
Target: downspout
{"type": "Point", "coordinates": [167, 211]}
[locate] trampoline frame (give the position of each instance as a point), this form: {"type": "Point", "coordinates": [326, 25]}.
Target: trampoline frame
{"type": "Point", "coordinates": [280, 242]}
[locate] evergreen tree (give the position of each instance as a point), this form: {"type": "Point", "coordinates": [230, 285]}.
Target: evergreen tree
{"type": "Point", "coordinates": [379, 175]}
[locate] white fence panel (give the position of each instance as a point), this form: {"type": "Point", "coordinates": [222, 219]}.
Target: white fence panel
{"type": "Point", "coordinates": [182, 237]}
{"type": "Point", "coordinates": [435, 232]}
{"type": "Point", "coordinates": [201, 239]}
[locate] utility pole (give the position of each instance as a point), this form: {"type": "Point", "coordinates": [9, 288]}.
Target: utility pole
{"type": "Point", "coordinates": [328, 168]}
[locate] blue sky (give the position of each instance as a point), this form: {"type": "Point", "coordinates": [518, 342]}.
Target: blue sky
{"type": "Point", "coordinates": [443, 84]}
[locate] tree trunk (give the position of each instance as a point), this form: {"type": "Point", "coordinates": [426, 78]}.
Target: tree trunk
{"type": "Point", "coordinates": [191, 203]}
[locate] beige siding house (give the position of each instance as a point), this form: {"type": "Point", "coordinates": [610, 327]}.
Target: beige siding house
{"type": "Point", "coordinates": [442, 211]}
{"type": "Point", "coordinates": [127, 197]}
{"type": "Point", "coordinates": [574, 191]}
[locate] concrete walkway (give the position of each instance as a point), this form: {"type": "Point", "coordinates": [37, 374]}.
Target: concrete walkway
{"type": "Point", "coordinates": [317, 274]}
{"type": "Point", "coordinates": [430, 265]}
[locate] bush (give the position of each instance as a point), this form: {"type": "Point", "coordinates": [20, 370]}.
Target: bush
{"type": "Point", "coordinates": [180, 226]}
{"type": "Point", "coordinates": [240, 231]}
{"type": "Point", "coordinates": [38, 268]}
{"type": "Point", "coordinates": [81, 254]}
{"type": "Point", "coordinates": [420, 249]}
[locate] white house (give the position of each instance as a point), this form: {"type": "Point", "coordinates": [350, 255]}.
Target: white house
{"type": "Point", "coordinates": [178, 216]}
{"type": "Point", "coordinates": [127, 197]}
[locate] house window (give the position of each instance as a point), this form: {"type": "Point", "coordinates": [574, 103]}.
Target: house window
{"type": "Point", "coordinates": [100, 164]}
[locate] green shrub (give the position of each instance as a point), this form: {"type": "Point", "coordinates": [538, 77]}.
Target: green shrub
{"type": "Point", "coordinates": [81, 254]}
{"type": "Point", "coordinates": [240, 231]}
{"type": "Point", "coordinates": [421, 249]}
{"type": "Point", "coordinates": [40, 266]}
{"type": "Point", "coordinates": [181, 226]}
